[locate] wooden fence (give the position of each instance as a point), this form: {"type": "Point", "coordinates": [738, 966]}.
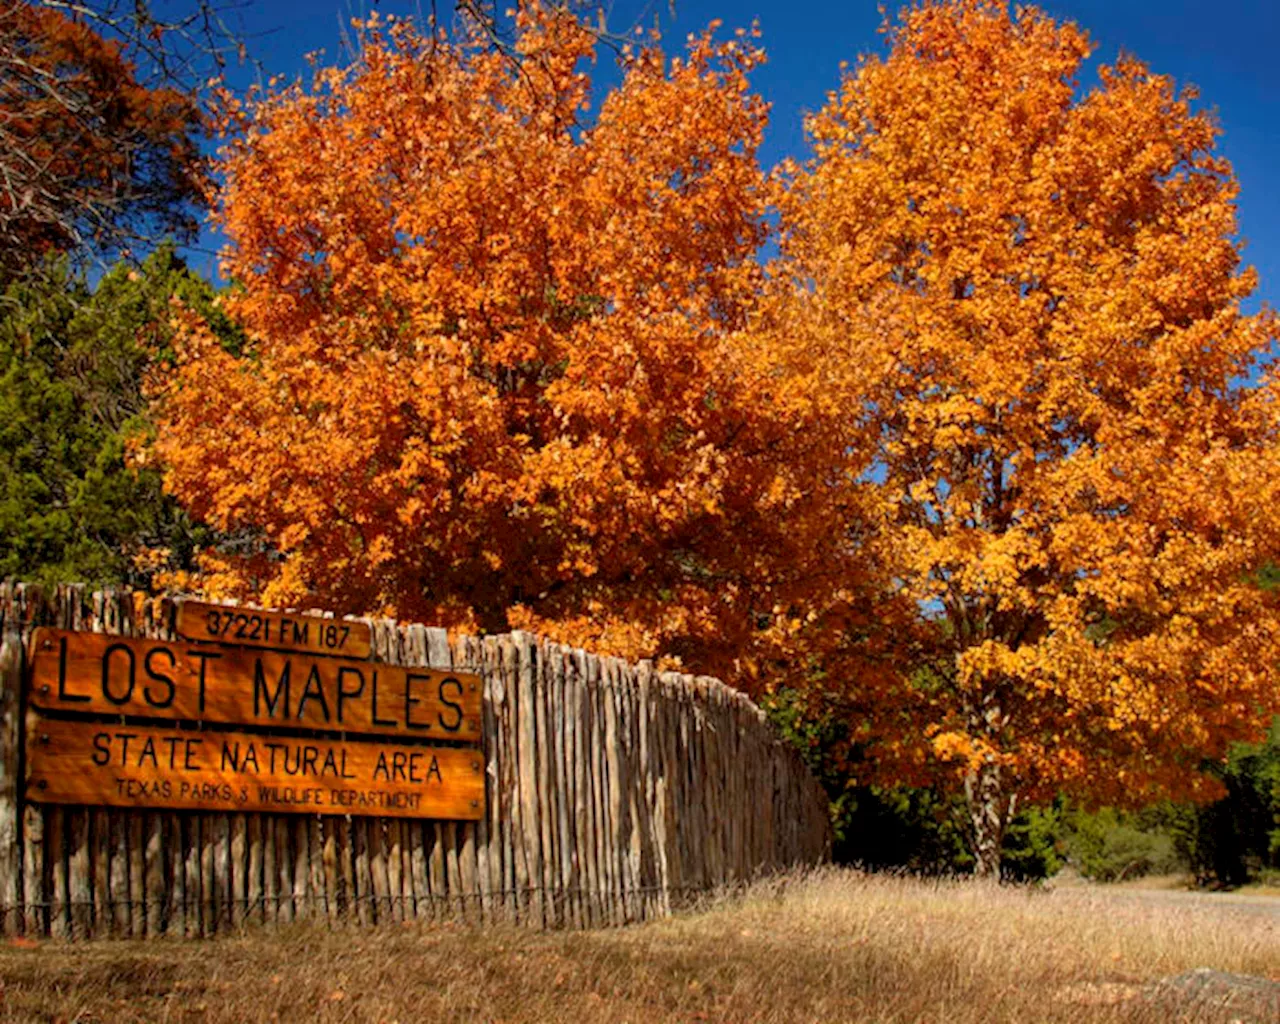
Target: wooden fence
{"type": "Point", "coordinates": [614, 793]}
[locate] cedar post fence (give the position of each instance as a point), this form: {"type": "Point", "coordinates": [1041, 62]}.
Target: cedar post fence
{"type": "Point", "coordinates": [614, 794]}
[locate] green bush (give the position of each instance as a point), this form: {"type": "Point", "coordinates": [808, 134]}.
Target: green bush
{"type": "Point", "coordinates": [1110, 846]}
{"type": "Point", "coordinates": [1237, 839]}
{"type": "Point", "coordinates": [1033, 845]}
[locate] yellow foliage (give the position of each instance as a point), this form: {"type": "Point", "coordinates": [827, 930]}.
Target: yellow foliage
{"type": "Point", "coordinates": [1027, 300]}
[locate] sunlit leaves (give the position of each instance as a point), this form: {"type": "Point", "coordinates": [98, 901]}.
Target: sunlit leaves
{"type": "Point", "coordinates": [499, 372]}
{"type": "Point", "coordinates": [1027, 293]}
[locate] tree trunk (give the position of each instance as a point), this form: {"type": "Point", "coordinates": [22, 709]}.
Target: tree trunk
{"type": "Point", "coordinates": [990, 808]}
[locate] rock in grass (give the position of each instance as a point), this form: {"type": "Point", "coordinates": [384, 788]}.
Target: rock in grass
{"type": "Point", "coordinates": [1204, 994]}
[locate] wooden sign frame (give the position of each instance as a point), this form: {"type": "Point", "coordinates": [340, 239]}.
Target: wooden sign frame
{"type": "Point", "coordinates": [181, 681]}
{"type": "Point", "coordinates": [96, 763]}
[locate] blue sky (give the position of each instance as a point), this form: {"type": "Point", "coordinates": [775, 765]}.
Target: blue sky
{"type": "Point", "coordinates": [1227, 48]}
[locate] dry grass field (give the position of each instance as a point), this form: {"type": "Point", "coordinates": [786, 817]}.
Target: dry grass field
{"type": "Point", "coordinates": [833, 946]}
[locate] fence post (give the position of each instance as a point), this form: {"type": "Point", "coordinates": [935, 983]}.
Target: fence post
{"type": "Point", "coordinates": [12, 663]}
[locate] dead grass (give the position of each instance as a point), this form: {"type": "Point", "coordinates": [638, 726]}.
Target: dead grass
{"type": "Point", "coordinates": [834, 946]}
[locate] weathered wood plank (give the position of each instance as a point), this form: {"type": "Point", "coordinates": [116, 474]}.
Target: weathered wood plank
{"type": "Point", "coordinates": [574, 783]}
{"type": "Point", "coordinates": [11, 727]}
{"type": "Point", "coordinates": [56, 869]}
{"type": "Point", "coordinates": [586, 792]}
{"type": "Point", "coordinates": [378, 869]}
{"type": "Point", "coordinates": [559, 789]}
{"type": "Point", "coordinates": [157, 894]}
{"type": "Point", "coordinates": [190, 845]}
{"type": "Point", "coordinates": [256, 909]}
{"type": "Point", "coordinates": [302, 892]}
{"type": "Point", "coordinates": [35, 893]}
{"type": "Point", "coordinates": [137, 875]}
{"type": "Point", "coordinates": [614, 808]}
{"type": "Point", "coordinates": [515, 856]}
{"type": "Point", "coordinates": [175, 917]}
{"type": "Point", "coordinates": [493, 750]}
{"type": "Point", "coordinates": [363, 893]}
{"type": "Point", "coordinates": [436, 870]}
{"type": "Point", "coordinates": [329, 865]}
{"type": "Point", "coordinates": [208, 875]}
{"type": "Point", "coordinates": [545, 786]}
{"type": "Point", "coordinates": [469, 658]}
{"type": "Point", "coordinates": [455, 895]}
{"type": "Point", "coordinates": [120, 905]}
{"type": "Point", "coordinates": [239, 854]}
{"type": "Point", "coordinates": [79, 871]}
{"type": "Point", "coordinates": [468, 845]}
{"type": "Point", "coordinates": [395, 869]}
{"type": "Point", "coordinates": [271, 910]}
{"type": "Point", "coordinates": [531, 840]}
{"type": "Point", "coordinates": [284, 869]}
{"type": "Point", "coordinates": [345, 853]}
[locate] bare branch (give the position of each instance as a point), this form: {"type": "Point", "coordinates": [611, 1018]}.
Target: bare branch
{"type": "Point", "coordinates": [100, 119]}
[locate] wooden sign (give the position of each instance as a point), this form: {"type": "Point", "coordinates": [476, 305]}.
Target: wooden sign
{"type": "Point", "coordinates": [79, 762]}
{"type": "Point", "coordinates": [112, 675]}
{"type": "Point", "coordinates": [257, 628]}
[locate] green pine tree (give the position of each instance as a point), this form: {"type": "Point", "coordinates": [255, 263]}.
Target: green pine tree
{"type": "Point", "coordinates": [73, 360]}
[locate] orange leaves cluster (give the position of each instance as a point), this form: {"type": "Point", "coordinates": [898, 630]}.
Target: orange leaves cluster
{"type": "Point", "coordinates": [1030, 296]}
{"type": "Point", "coordinates": [498, 373]}
{"type": "Point", "coordinates": [89, 154]}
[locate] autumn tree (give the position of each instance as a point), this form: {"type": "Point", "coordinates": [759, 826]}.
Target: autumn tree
{"type": "Point", "coordinates": [497, 374]}
{"type": "Point", "coordinates": [1029, 294]}
{"type": "Point", "coordinates": [100, 122]}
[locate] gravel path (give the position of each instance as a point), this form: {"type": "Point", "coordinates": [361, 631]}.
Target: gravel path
{"type": "Point", "coordinates": [1262, 905]}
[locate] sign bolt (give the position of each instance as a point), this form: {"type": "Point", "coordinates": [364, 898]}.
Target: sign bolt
{"type": "Point", "coordinates": [44, 688]}
{"type": "Point", "coordinates": [475, 766]}
{"type": "Point", "coordinates": [43, 784]}
{"type": "Point", "coordinates": [44, 737]}
{"type": "Point", "coordinates": [474, 803]}
{"type": "Point", "coordinates": [47, 645]}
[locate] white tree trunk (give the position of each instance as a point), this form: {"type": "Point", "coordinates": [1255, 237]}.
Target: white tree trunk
{"type": "Point", "coordinates": [990, 808]}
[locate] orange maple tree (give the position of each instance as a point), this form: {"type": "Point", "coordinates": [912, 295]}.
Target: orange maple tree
{"type": "Point", "coordinates": [497, 373]}
{"type": "Point", "coordinates": [1029, 295]}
